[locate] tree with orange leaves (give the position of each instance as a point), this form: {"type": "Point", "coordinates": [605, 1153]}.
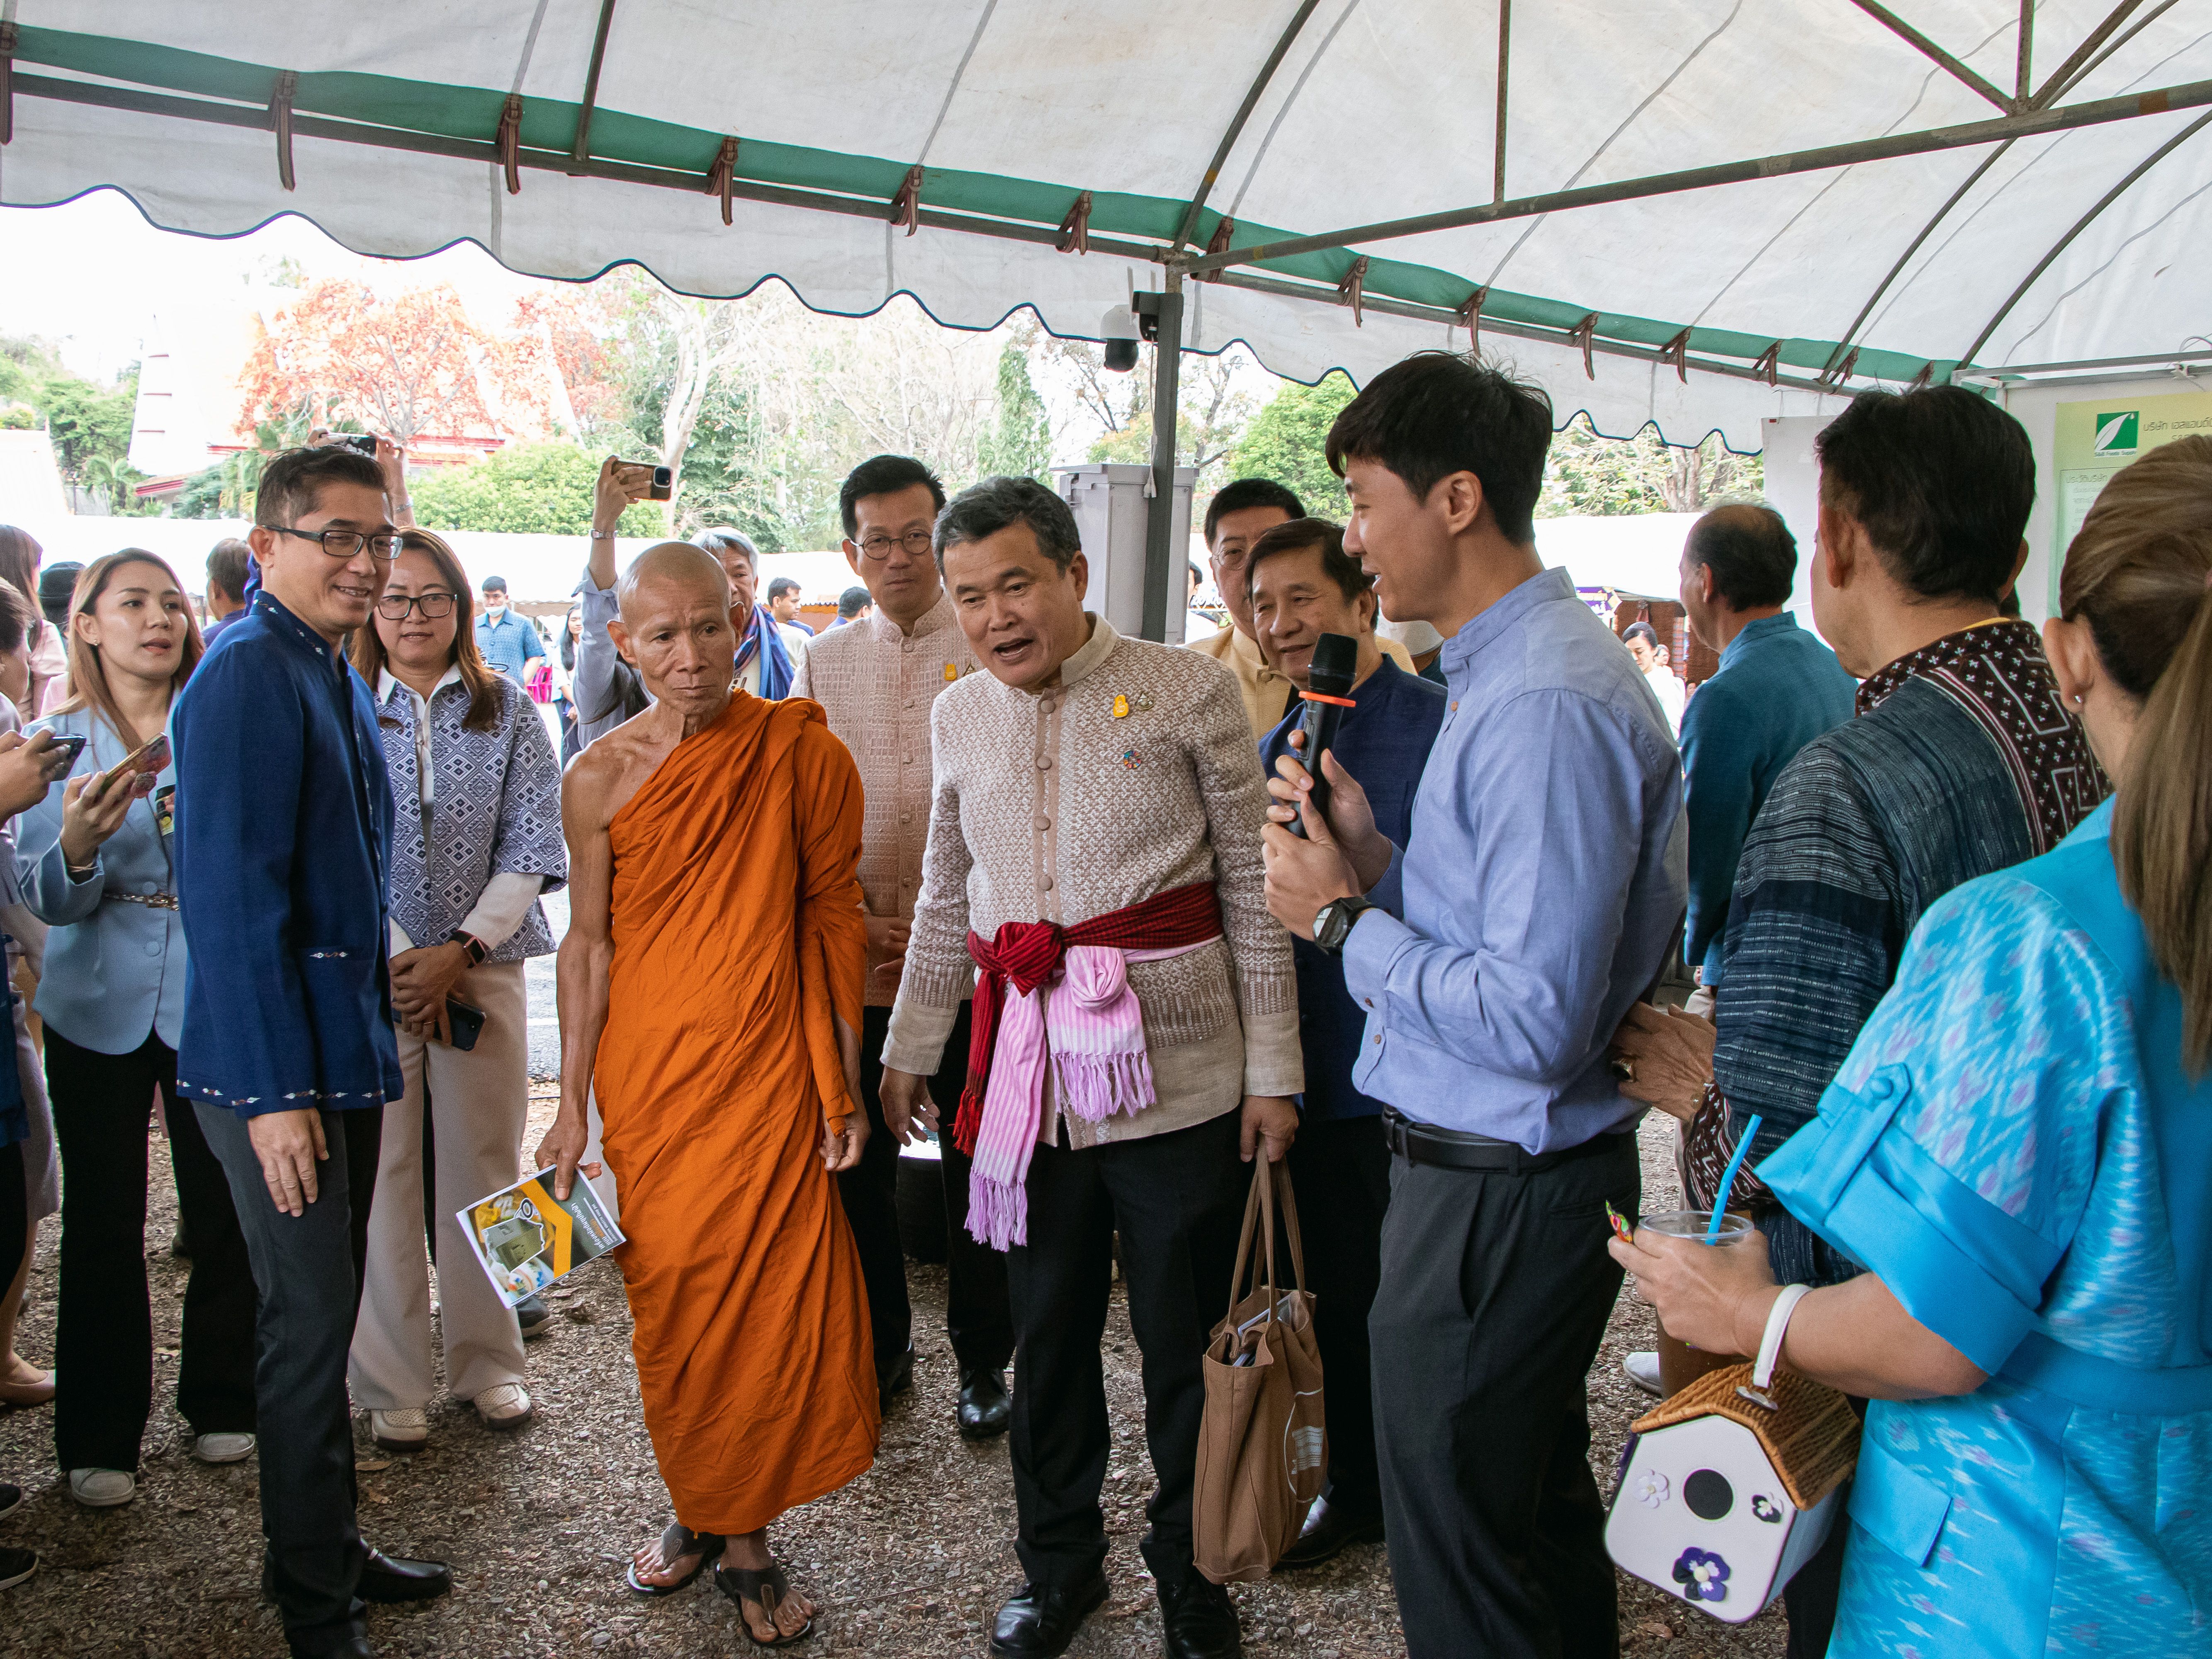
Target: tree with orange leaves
{"type": "Point", "coordinates": [404, 364]}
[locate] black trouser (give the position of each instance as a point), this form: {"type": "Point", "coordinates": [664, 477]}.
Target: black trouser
{"type": "Point", "coordinates": [1341, 1171]}
{"type": "Point", "coordinates": [1496, 1290]}
{"type": "Point", "coordinates": [309, 1269]}
{"type": "Point", "coordinates": [104, 1335]}
{"type": "Point", "coordinates": [1176, 1200]}
{"type": "Point", "coordinates": [977, 1321]}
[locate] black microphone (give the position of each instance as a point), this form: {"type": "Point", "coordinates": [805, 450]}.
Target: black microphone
{"type": "Point", "coordinates": [1336, 660]}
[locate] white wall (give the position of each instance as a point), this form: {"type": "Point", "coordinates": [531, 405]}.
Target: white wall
{"type": "Point", "coordinates": [1793, 489]}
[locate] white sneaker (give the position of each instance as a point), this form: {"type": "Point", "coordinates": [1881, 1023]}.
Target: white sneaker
{"type": "Point", "coordinates": [1643, 1369]}
{"type": "Point", "coordinates": [505, 1405]}
{"type": "Point", "coordinates": [223, 1448]}
{"type": "Point", "coordinates": [405, 1430]}
{"type": "Point", "coordinates": [102, 1489]}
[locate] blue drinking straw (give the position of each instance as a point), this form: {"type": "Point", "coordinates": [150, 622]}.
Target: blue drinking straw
{"type": "Point", "coordinates": [1728, 1178]}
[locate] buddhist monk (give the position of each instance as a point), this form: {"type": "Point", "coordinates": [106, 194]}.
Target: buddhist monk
{"type": "Point", "coordinates": [711, 986]}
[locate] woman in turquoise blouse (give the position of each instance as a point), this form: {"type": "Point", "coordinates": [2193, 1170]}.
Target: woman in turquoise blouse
{"type": "Point", "coordinates": [2019, 1148]}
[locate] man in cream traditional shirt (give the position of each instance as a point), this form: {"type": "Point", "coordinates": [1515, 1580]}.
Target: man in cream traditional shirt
{"type": "Point", "coordinates": [1094, 849]}
{"type": "Point", "coordinates": [877, 679]}
{"type": "Point", "coordinates": [1238, 515]}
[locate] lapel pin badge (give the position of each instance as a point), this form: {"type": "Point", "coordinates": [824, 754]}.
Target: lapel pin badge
{"type": "Point", "coordinates": [1132, 759]}
{"type": "Point", "coordinates": [1120, 706]}
{"type": "Point", "coordinates": [951, 672]}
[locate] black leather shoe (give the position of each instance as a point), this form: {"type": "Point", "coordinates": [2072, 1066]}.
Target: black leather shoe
{"type": "Point", "coordinates": [394, 1578]}
{"type": "Point", "coordinates": [1329, 1532]}
{"type": "Point", "coordinates": [1200, 1621]}
{"type": "Point", "coordinates": [351, 1647]}
{"type": "Point", "coordinates": [895, 1381]}
{"type": "Point", "coordinates": [984, 1409]}
{"type": "Point", "coordinates": [1040, 1622]}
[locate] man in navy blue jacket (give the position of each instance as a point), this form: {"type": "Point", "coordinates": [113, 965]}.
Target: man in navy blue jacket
{"type": "Point", "coordinates": [284, 834]}
{"type": "Point", "coordinates": [1305, 585]}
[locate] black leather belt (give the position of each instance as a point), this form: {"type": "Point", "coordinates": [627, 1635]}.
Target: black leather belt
{"type": "Point", "coordinates": [1454, 1149]}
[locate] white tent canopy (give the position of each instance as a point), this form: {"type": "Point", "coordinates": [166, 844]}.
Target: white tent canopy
{"type": "Point", "coordinates": [1884, 197]}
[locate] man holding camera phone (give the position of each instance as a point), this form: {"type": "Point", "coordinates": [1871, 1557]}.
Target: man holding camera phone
{"type": "Point", "coordinates": [282, 844]}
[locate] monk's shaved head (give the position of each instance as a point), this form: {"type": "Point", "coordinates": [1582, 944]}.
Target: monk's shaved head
{"type": "Point", "coordinates": [678, 562]}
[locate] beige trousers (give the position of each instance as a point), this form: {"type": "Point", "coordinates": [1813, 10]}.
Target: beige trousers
{"type": "Point", "coordinates": [479, 1103]}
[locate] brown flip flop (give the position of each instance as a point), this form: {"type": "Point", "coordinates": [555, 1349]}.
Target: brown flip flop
{"type": "Point", "coordinates": [679, 1541]}
{"type": "Point", "coordinates": [766, 1586]}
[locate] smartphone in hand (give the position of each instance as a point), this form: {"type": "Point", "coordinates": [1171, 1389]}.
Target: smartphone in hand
{"type": "Point", "coordinates": [145, 761]}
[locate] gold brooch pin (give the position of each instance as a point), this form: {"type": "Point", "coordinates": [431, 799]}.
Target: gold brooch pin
{"type": "Point", "coordinates": [1120, 706]}
{"type": "Point", "coordinates": [951, 672]}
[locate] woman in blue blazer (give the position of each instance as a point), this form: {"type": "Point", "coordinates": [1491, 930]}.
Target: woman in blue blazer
{"type": "Point", "coordinates": [96, 866]}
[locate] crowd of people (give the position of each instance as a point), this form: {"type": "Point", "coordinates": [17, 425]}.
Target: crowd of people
{"type": "Point", "coordinates": [974, 865]}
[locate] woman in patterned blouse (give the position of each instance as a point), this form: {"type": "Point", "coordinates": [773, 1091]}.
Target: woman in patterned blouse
{"type": "Point", "coordinates": [2019, 1148]}
{"type": "Point", "coordinates": [477, 839]}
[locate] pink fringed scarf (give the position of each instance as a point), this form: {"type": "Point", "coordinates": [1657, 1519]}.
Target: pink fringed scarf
{"type": "Point", "coordinates": [1071, 1006]}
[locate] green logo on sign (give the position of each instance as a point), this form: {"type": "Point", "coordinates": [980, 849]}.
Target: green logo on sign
{"type": "Point", "coordinates": [2116, 433]}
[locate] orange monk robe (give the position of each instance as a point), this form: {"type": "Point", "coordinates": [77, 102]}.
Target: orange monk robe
{"type": "Point", "coordinates": [738, 939]}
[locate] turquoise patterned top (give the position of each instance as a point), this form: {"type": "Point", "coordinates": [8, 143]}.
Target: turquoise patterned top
{"type": "Point", "coordinates": [2012, 1147]}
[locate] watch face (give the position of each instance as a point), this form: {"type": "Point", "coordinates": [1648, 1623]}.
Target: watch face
{"type": "Point", "coordinates": [1329, 926]}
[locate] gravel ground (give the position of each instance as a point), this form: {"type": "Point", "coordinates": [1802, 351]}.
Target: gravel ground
{"type": "Point", "coordinates": [911, 1559]}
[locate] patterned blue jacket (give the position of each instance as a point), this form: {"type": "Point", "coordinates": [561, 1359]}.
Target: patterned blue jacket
{"type": "Point", "coordinates": [282, 843]}
{"type": "Point", "coordinates": [1962, 761]}
{"type": "Point", "coordinates": [495, 807]}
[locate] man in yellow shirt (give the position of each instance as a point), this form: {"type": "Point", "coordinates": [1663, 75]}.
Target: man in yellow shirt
{"type": "Point", "coordinates": [1239, 514]}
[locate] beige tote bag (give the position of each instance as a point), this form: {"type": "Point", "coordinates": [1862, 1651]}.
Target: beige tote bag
{"type": "Point", "coordinates": [1263, 1446]}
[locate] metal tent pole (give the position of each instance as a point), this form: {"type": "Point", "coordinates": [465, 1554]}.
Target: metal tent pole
{"type": "Point", "coordinates": [1161, 560]}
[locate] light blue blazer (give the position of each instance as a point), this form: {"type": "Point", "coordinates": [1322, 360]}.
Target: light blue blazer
{"type": "Point", "coordinates": [115, 971]}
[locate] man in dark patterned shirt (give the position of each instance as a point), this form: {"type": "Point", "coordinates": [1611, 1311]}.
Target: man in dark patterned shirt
{"type": "Point", "coordinates": [1962, 759]}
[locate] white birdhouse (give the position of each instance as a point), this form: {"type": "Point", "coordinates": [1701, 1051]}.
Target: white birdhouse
{"type": "Point", "coordinates": [1726, 1489]}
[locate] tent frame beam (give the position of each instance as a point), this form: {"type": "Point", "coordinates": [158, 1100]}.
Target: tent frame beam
{"type": "Point", "coordinates": [2082, 224]}
{"type": "Point", "coordinates": [1190, 225]}
{"type": "Point", "coordinates": [2031, 123]}
{"type": "Point", "coordinates": [1935, 54]}
{"type": "Point", "coordinates": [582, 152]}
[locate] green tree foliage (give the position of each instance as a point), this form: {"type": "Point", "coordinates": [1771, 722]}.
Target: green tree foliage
{"type": "Point", "coordinates": [1586, 473]}
{"type": "Point", "coordinates": [1020, 445]}
{"type": "Point", "coordinates": [545, 488]}
{"type": "Point", "coordinates": [89, 425]}
{"type": "Point", "coordinates": [1287, 442]}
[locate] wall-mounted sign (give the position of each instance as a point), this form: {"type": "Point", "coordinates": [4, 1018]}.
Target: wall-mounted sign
{"type": "Point", "coordinates": [2093, 440]}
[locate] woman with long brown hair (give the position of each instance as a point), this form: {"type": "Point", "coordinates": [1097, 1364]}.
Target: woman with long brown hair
{"type": "Point", "coordinates": [20, 553]}
{"type": "Point", "coordinates": [477, 839]}
{"type": "Point", "coordinates": [95, 861]}
{"type": "Point", "coordinates": [2018, 1151]}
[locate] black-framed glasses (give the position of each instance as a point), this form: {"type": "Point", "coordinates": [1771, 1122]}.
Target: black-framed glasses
{"type": "Point", "coordinates": [878, 547]}
{"type": "Point", "coordinates": [435, 605]}
{"type": "Point", "coordinates": [344, 543]}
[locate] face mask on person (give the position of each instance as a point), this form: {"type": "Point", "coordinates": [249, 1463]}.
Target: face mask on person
{"type": "Point", "coordinates": [495, 606]}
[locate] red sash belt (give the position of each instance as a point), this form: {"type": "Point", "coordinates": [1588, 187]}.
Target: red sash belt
{"type": "Point", "coordinates": [1028, 953]}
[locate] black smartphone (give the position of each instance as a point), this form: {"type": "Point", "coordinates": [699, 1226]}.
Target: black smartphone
{"type": "Point", "coordinates": [663, 481]}
{"type": "Point", "coordinates": [363, 441]}
{"type": "Point", "coordinates": [466, 1023]}
{"type": "Point", "coordinates": [71, 747]}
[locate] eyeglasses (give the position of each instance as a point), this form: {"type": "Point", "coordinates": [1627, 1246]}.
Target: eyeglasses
{"type": "Point", "coordinates": [344, 543]}
{"type": "Point", "coordinates": [394, 607]}
{"type": "Point", "coordinates": [878, 548]}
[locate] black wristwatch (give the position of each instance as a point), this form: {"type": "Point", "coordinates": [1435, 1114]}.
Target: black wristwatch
{"type": "Point", "coordinates": [1333, 922]}
{"type": "Point", "coordinates": [471, 944]}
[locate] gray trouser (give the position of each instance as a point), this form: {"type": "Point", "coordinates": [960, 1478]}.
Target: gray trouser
{"type": "Point", "coordinates": [309, 1270]}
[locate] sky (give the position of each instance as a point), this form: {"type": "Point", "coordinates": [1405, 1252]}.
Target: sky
{"type": "Point", "coordinates": [91, 274]}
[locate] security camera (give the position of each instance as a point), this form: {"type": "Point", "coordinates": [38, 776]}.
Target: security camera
{"type": "Point", "coordinates": [1118, 330]}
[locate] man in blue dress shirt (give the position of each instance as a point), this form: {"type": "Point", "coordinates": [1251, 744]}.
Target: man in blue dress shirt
{"type": "Point", "coordinates": [1777, 688]}
{"type": "Point", "coordinates": [1540, 893]}
{"type": "Point", "coordinates": [1303, 584]}
{"type": "Point", "coordinates": [284, 833]}
{"type": "Point", "coordinates": [507, 639]}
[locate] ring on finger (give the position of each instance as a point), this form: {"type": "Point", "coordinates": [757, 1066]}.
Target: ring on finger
{"type": "Point", "coordinates": [1622, 1067]}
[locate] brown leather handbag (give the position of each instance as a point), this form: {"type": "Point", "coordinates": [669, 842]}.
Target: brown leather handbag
{"type": "Point", "coordinates": [1263, 1446]}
